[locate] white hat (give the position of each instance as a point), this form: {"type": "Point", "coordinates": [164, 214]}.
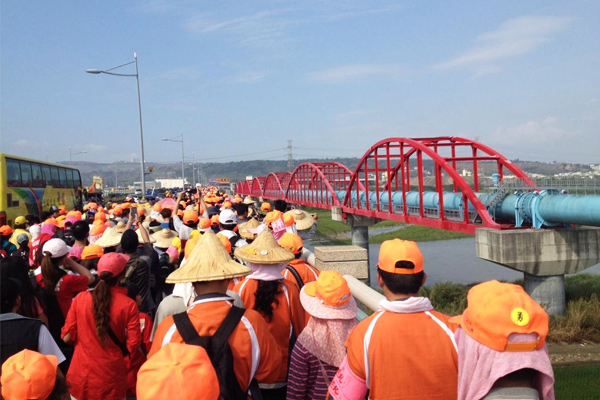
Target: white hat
{"type": "Point", "coordinates": [228, 217]}
{"type": "Point", "coordinates": [57, 248]}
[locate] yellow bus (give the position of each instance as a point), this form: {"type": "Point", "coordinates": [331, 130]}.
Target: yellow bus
{"type": "Point", "coordinates": [30, 186]}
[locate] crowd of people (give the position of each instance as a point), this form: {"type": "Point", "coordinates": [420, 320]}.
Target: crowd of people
{"type": "Point", "coordinates": [211, 296]}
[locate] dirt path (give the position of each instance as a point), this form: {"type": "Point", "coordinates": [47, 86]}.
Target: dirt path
{"type": "Point", "coordinates": [577, 353]}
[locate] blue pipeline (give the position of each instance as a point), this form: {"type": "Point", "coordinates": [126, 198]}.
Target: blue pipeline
{"type": "Point", "coordinates": [545, 208]}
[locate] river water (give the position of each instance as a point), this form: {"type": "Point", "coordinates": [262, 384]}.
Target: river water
{"type": "Point", "coordinates": [455, 261]}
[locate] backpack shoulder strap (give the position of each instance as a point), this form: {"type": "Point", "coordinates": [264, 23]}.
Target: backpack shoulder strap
{"type": "Point", "coordinates": [233, 240]}
{"type": "Point", "coordinates": [227, 326]}
{"type": "Point", "coordinates": [186, 328]}
{"type": "Point", "coordinates": [296, 275]}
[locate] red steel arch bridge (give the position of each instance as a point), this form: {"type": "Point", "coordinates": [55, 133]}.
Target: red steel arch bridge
{"type": "Point", "coordinates": [429, 181]}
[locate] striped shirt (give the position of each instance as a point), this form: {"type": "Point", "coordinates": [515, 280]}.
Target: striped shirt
{"type": "Point", "coordinates": [306, 380]}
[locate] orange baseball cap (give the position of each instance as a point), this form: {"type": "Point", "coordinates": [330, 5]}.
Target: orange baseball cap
{"type": "Point", "coordinates": [265, 207]}
{"type": "Point", "coordinates": [51, 221]}
{"type": "Point", "coordinates": [225, 242]}
{"type": "Point", "coordinates": [92, 206]}
{"type": "Point", "coordinates": [204, 224]}
{"type": "Point", "coordinates": [495, 310]}
{"type": "Point", "coordinates": [6, 230]}
{"type": "Point", "coordinates": [292, 242]}
{"type": "Point", "coordinates": [215, 219]}
{"type": "Point", "coordinates": [28, 375]}
{"type": "Point", "coordinates": [178, 368]}
{"type": "Point", "coordinates": [117, 210]}
{"type": "Point", "coordinates": [97, 229]}
{"type": "Point", "coordinates": [100, 216]}
{"type": "Point", "coordinates": [180, 213]}
{"type": "Point", "coordinates": [395, 250]}
{"type": "Point", "coordinates": [190, 217]}
{"type": "Point", "coordinates": [92, 251]}
{"type": "Point", "coordinates": [62, 210]}
{"type": "Point", "coordinates": [288, 219]}
{"type": "Point", "coordinates": [330, 288]}
{"type": "Point", "coordinates": [226, 204]}
{"type": "Point", "coordinates": [157, 207]}
{"type": "Point", "coordinates": [74, 213]}
{"type": "Point", "coordinates": [273, 216]}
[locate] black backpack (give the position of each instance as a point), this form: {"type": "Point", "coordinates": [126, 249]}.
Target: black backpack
{"type": "Point", "coordinates": [219, 352]}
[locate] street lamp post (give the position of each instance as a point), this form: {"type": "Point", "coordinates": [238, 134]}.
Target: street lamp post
{"type": "Point", "coordinates": [137, 78]}
{"type": "Point", "coordinates": [71, 154]}
{"type": "Point", "coordinates": [173, 139]}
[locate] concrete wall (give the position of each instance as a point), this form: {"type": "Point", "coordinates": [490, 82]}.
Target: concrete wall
{"type": "Point", "coordinates": [541, 252]}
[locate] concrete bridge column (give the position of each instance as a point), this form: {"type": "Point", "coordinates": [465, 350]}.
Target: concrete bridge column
{"type": "Point", "coordinates": [360, 230]}
{"type": "Point", "coordinates": [544, 257]}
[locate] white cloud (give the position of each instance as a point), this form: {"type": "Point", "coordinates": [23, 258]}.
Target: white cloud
{"type": "Point", "coordinates": [356, 72]}
{"type": "Point", "coordinates": [533, 132]}
{"type": "Point", "coordinates": [264, 29]}
{"type": "Point", "coordinates": [514, 38]}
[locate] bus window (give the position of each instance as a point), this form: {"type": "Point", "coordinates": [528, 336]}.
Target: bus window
{"type": "Point", "coordinates": [13, 173]}
{"type": "Point", "coordinates": [26, 173]}
{"type": "Point", "coordinates": [55, 181]}
{"type": "Point", "coordinates": [69, 178]}
{"type": "Point", "coordinates": [47, 176]}
{"type": "Point", "coordinates": [62, 173]}
{"type": "Point", "coordinates": [37, 179]}
{"type": "Point", "coordinates": [76, 178]}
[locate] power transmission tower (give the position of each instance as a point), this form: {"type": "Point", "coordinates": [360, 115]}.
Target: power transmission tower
{"type": "Point", "coordinates": [290, 156]}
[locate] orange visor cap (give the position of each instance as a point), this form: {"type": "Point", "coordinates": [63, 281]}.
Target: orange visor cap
{"type": "Point", "coordinates": [330, 288]}
{"type": "Point", "coordinates": [495, 310]}
{"type": "Point", "coordinates": [92, 251]}
{"type": "Point", "coordinates": [292, 242]}
{"type": "Point", "coordinates": [178, 368]}
{"type": "Point", "coordinates": [265, 207]}
{"type": "Point", "coordinates": [190, 217]}
{"type": "Point", "coordinates": [395, 250]}
{"type": "Point", "coordinates": [28, 375]}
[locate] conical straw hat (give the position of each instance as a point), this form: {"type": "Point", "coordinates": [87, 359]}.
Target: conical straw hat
{"type": "Point", "coordinates": [109, 238]}
{"type": "Point", "coordinates": [209, 261]}
{"type": "Point", "coordinates": [303, 219]}
{"type": "Point", "coordinates": [248, 200]}
{"type": "Point", "coordinates": [121, 227]}
{"type": "Point", "coordinates": [139, 233]}
{"type": "Point", "coordinates": [264, 250]}
{"type": "Point", "coordinates": [243, 229]}
{"type": "Point", "coordinates": [164, 238]}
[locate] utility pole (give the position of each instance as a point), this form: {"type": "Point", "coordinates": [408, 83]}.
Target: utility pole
{"type": "Point", "coordinates": [290, 156]}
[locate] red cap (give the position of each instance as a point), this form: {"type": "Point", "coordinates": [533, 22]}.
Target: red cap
{"type": "Point", "coordinates": [113, 262]}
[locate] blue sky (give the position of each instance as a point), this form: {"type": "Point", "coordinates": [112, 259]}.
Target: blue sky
{"type": "Point", "coordinates": [237, 77]}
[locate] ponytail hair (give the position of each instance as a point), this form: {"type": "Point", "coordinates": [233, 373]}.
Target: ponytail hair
{"type": "Point", "coordinates": [101, 299]}
{"type": "Point", "coordinates": [50, 274]}
{"type": "Point", "coordinates": [265, 297]}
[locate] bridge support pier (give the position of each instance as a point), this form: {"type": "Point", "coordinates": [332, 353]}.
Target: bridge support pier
{"type": "Point", "coordinates": [544, 256]}
{"type": "Point", "coordinates": [360, 230]}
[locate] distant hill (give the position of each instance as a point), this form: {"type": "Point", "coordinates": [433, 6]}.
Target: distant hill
{"type": "Point", "coordinates": [126, 172]}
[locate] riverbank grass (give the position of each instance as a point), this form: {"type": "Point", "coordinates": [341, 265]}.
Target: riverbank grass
{"type": "Point", "coordinates": [335, 233]}
{"type": "Point", "coordinates": [580, 323]}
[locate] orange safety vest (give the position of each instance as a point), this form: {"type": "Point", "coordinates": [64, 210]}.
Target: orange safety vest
{"type": "Point", "coordinates": [255, 352]}
{"type": "Point", "coordinates": [408, 356]}
{"type": "Point", "coordinates": [287, 313]}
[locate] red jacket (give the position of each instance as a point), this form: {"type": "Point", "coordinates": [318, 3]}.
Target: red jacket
{"type": "Point", "coordinates": [98, 371]}
{"type": "Point", "coordinates": [137, 358]}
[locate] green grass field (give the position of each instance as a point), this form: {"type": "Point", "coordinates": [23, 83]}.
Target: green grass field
{"type": "Point", "coordinates": [333, 231]}
{"type": "Point", "coordinates": [579, 382]}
